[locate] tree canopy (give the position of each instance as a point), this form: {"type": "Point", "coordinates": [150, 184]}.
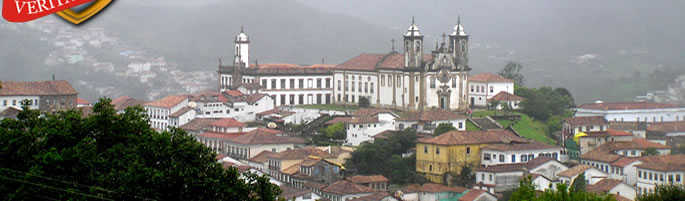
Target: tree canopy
{"type": "Point", "coordinates": [110, 156]}
{"type": "Point", "coordinates": [443, 128]}
{"type": "Point", "coordinates": [364, 102]}
{"type": "Point", "coordinates": [376, 157]}
{"type": "Point", "coordinates": [545, 102]}
{"type": "Point", "coordinates": [664, 192]}
{"type": "Point", "coordinates": [513, 71]}
{"type": "Point", "coordinates": [527, 192]}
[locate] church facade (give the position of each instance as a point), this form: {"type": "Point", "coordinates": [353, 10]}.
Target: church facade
{"type": "Point", "coordinates": [407, 80]}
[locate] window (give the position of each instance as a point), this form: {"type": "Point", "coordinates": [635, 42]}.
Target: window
{"type": "Point", "coordinates": [264, 83]}
{"type": "Point", "coordinates": [650, 176]}
{"type": "Point", "coordinates": [425, 148]}
{"type": "Point", "coordinates": [283, 84]}
{"type": "Point", "coordinates": [454, 82]}
{"type": "Point", "coordinates": [482, 177]}
{"type": "Point", "coordinates": [501, 158]}
{"type": "Point", "coordinates": [360, 86]}
{"type": "Point", "coordinates": [468, 150]}
{"type": "Point", "coordinates": [382, 80]}
{"type": "Point", "coordinates": [389, 80]}
{"type": "Point", "coordinates": [486, 156]}
{"type": "Point", "coordinates": [339, 83]}
{"type": "Point", "coordinates": [432, 84]}
{"type": "Point", "coordinates": [492, 89]}
{"type": "Point", "coordinates": [4, 102]}
{"type": "Point", "coordinates": [371, 87]}
{"type": "Point", "coordinates": [399, 81]}
{"type": "Point", "coordinates": [401, 126]}
{"type": "Point", "coordinates": [472, 88]}
{"type": "Point", "coordinates": [273, 83]}
{"type": "Point", "coordinates": [338, 97]}
{"type": "Point", "coordinates": [301, 82]}
{"type": "Point", "coordinates": [633, 153]}
{"type": "Point", "coordinates": [328, 83]}
{"type": "Point", "coordinates": [677, 178]}
{"type": "Point", "coordinates": [437, 150]}
{"type": "Point", "coordinates": [430, 168]}
{"type": "Point", "coordinates": [513, 158]}
{"type": "Point", "coordinates": [366, 87]}
{"type": "Point", "coordinates": [14, 102]}
{"type": "Point", "coordinates": [352, 86]}
{"type": "Point", "coordinates": [461, 125]}
{"type": "Point", "coordinates": [524, 158]}
{"type": "Point", "coordinates": [490, 177]}
{"type": "Point", "coordinates": [319, 83]}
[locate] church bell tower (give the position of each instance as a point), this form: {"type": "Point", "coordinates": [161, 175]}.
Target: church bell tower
{"type": "Point", "coordinates": [413, 46]}
{"type": "Point", "coordinates": [459, 45]}
{"type": "Point", "coordinates": [242, 50]}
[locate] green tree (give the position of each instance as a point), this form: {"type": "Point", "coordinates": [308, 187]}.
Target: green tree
{"type": "Point", "coordinates": [443, 128]}
{"type": "Point", "coordinates": [113, 156]}
{"type": "Point", "coordinates": [578, 184]}
{"type": "Point", "coordinates": [364, 102]}
{"type": "Point", "coordinates": [513, 71]}
{"type": "Point", "coordinates": [492, 105]}
{"type": "Point", "coordinates": [376, 157]}
{"type": "Point", "coordinates": [664, 192]}
{"type": "Point", "coordinates": [466, 177]}
{"type": "Point", "coordinates": [336, 131]}
{"type": "Point", "coordinates": [527, 192]}
{"type": "Point", "coordinates": [651, 151]}
{"type": "Point", "coordinates": [545, 102]}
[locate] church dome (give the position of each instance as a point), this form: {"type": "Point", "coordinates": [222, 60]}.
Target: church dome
{"type": "Point", "coordinates": [459, 30]}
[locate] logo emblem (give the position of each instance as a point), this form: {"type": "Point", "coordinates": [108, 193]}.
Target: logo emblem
{"type": "Point", "coordinates": [85, 14]}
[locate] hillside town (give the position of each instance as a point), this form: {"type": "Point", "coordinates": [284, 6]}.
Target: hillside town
{"type": "Point", "coordinates": [279, 120]}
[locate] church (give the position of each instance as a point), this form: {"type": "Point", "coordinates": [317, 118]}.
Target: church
{"type": "Point", "coordinates": [409, 80]}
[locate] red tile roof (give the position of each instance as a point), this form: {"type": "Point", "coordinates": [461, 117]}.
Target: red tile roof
{"type": "Point", "coordinates": [180, 112]}
{"type": "Point", "coordinates": [301, 153]}
{"type": "Point", "coordinates": [220, 136]}
{"type": "Point", "coordinates": [234, 93]}
{"type": "Point", "coordinates": [603, 186]}
{"type": "Point", "coordinates": [368, 62]}
{"type": "Point", "coordinates": [506, 96]}
{"type": "Point", "coordinates": [373, 197]}
{"type": "Point", "coordinates": [606, 151]}
{"type": "Point", "coordinates": [167, 102]}
{"type": "Point", "coordinates": [472, 195]}
{"type": "Point", "coordinates": [663, 163]}
{"type": "Point", "coordinates": [198, 124]}
{"type": "Point", "coordinates": [667, 127]}
{"type": "Point", "coordinates": [266, 136]}
{"type": "Point", "coordinates": [625, 106]}
{"type": "Point", "coordinates": [82, 101]}
{"type": "Point", "coordinates": [624, 161]}
{"type": "Point", "coordinates": [430, 115]}
{"type": "Point", "coordinates": [516, 167]}
{"type": "Point", "coordinates": [438, 188]}
{"type": "Point", "coordinates": [589, 120]}
{"type": "Point", "coordinates": [488, 77]}
{"type": "Point", "coordinates": [608, 132]}
{"type": "Point", "coordinates": [361, 179]}
{"type": "Point", "coordinates": [290, 193]}
{"type": "Point", "coordinates": [474, 137]}
{"type": "Point", "coordinates": [576, 170]}
{"type": "Point", "coordinates": [261, 157]}
{"type": "Point", "coordinates": [124, 102]}
{"type": "Point", "coordinates": [227, 123]}
{"type": "Point", "coordinates": [36, 88]}
{"type": "Point", "coordinates": [344, 187]}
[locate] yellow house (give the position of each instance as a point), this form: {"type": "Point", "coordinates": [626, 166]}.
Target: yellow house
{"type": "Point", "coordinates": [451, 151]}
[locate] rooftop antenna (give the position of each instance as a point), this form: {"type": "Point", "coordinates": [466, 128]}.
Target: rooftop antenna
{"type": "Point", "coordinates": [241, 29]}
{"type": "Point", "coordinates": [256, 63]}
{"type": "Point", "coordinates": [220, 63]}
{"type": "Point", "coordinates": [323, 60]}
{"type": "Point", "coordinates": [53, 77]}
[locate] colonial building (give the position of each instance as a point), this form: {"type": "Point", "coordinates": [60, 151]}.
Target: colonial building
{"type": "Point", "coordinates": [498, 154]}
{"type": "Point", "coordinates": [408, 80]}
{"type": "Point", "coordinates": [633, 111]}
{"type": "Point", "coordinates": [46, 96]}
{"type": "Point", "coordinates": [426, 121]}
{"type": "Point", "coordinates": [573, 125]}
{"type": "Point", "coordinates": [485, 86]}
{"type": "Point", "coordinates": [505, 177]}
{"type": "Point", "coordinates": [160, 110]}
{"type": "Point", "coordinates": [364, 124]}
{"type": "Point", "coordinates": [660, 170]}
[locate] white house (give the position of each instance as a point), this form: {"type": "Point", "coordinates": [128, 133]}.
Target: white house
{"type": "Point", "coordinates": [181, 117]}
{"type": "Point", "coordinates": [592, 174]}
{"type": "Point", "coordinates": [159, 110]}
{"type": "Point", "coordinates": [505, 98]}
{"type": "Point", "coordinates": [365, 123]}
{"type": "Point", "coordinates": [426, 121]}
{"type": "Point", "coordinates": [231, 104]}
{"type": "Point", "coordinates": [667, 169]}
{"type": "Point", "coordinates": [259, 140]}
{"type": "Point", "coordinates": [484, 86]}
{"type": "Point", "coordinates": [613, 186]}
{"type": "Point", "coordinates": [573, 125]}
{"type": "Point", "coordinates": [498, 178]}
{"type": "Point", "coordinates": [632, 111]}
{"type": "Point", "coordinates": [53, 95]}
{"type": "Point", "coordinates": [497, 154]}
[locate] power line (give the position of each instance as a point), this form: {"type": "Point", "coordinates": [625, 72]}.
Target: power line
{"type": "Point", "coordinates": [55, 188]}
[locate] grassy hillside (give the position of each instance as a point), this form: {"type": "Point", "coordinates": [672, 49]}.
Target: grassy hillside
{"type": "Point", "coordinates": [527, 127]}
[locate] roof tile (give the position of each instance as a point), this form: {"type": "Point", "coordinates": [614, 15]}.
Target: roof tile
{"type": "Point", "coordinates": [39, 88]}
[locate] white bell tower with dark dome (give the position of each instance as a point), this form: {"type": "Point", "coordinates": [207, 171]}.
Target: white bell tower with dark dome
{"type": "Point", "coordinates": [413, 46]}
{"type": "Point", "coordinates": [241, 56]}
{"type": "Point", "coordinates": [459, 45]}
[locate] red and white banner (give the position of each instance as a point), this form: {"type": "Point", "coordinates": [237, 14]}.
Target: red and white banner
{"type": "Point", "coordinates": [27, 10]}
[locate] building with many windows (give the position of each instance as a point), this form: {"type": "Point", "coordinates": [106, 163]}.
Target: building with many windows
{"type": "Point", "coordinates": [633, 111]}
{"type": "Point", "coordinates": [46, 96]}
{"type": "Point", "coordinates": [407, 80]}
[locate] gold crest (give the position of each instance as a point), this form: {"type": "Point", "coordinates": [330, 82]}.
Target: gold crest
{"type": "Point", "coordinates": [85, 14]}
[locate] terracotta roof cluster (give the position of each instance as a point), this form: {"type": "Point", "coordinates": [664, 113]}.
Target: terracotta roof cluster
{"type": "Point", "coordinates": [266, 136]}
{"type": "Point", "coordinates": [472, 195]}
{"type": "Point", "coordinates": [474, 137]}
{"type": "Point", "coordinates": [506, 96]}
{"type": "Point", "coordinates": [235, 96]}
{"type": "Point", "coordinates": [369, 62]}
{"type": "Point", "coordinates": [625, 106]}
{"type": "Point", "coordinates": [36, 88]}
{"type": "Point", "coordinates": [628, 126]}
{"type": "Point", "coordinates": [516, 167]}
{"type": "Point", "coordinates": [198, 124]}
{"type": "Point", "coordinates": [589, 120]}
{"type": "Point", "coordinates": [167, 102]}
{"type": "Point", "coordinates": [667, 127]}
{"type": "Point", "coordinates": [219, 136]}
{"type": "Point", "coordinates": [608, 133]}
{"type": "Point", "coordinates": [488, 77]}
{"type": "Point", "coordinates": [373, 197]}
{"type": "Point", "coordinates": [606, 151]}
{"type": "Point", "coordinates": [575, 170]}
{"type": "Point", "coordinates": [603, 186]}
{"type": "Point", "coordinates": [663, 163]}
{"type": "Point", "coordinates": [533, 145]}
{"type": "Point", "coordinates": [430, 115]}
{"type": "Point", "coordinates": [124, 102]}
{"type": "Point", "coordinates": [299, 153]}
{"type": "Point", "coordinates": [624, 161]}
{"type": "Point", "coordinates": [227, 123]}
{"type": "Point", "coordinates": [344, 187]}
{"type": "Point", "coordinates": [438, 188]}
{"type": "Point", "coordinates": [361, 179]}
